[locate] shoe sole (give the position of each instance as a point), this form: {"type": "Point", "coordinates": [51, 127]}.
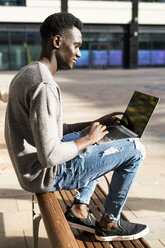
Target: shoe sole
{"type": "Point", "coordinates": [80, 227]}
{"type": "Point", "coordinates": [121, 238]}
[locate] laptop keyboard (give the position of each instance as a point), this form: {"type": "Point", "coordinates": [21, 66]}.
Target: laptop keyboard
{"type": "Point", "coordinates": [114, 134]}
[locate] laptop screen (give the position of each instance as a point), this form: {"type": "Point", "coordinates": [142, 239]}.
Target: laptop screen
{"type": "Point", "coordinates": [138, 112]}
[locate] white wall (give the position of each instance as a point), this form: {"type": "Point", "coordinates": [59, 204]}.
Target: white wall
{"type": "Point", "coordinates": [88, 11]}
{"type": "Point", "coordinates": [101, 12]}
{"type": "Point", "coordinates": [35, 11]}
{"type": "Point", "coordinates": [151, 13]}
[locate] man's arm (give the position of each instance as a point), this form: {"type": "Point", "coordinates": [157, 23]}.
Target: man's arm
{"type": "Point", "coordinates": [44, 109]}
{"type": "Point", "coordinates": [107, 120]}
{"type": "Point", "coordinates": [94, 133]}
{"type": "Point", "coordinates": [78, 126]}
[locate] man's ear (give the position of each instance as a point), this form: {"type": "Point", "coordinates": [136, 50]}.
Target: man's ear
{"type": "Point", "coordinates": [57, 41]}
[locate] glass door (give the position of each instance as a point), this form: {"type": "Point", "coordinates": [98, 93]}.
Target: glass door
{"type": "Point", "coordinates": [99, 55]}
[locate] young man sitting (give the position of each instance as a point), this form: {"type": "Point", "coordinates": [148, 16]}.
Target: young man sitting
{"type": "Point", "coordinates": [48, 155]}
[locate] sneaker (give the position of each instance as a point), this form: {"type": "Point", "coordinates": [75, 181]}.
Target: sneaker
{"type": "Point", "coordinates": [85, 224]}
{"type": "Point", "coordinates": [125, 231]}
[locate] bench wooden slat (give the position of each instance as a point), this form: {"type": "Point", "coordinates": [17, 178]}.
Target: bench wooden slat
{"type": "Point", "coordinates": [68, 197]}
{"type": "Point", "coordinates": [100, 194]}
{"type": "Point", "coordinates": [84, 239]}
{"type": "Point", "coordinates": [84, 236]}
{"type": "Point", "coordinates": [58, 230]}
{"type": "Point", "coordinates": [127, 244]}
{"type": "Point", "coordinates": [117, 244]}
{"type": "Point", "coordinates": [64, 195]}
{"type": "Point", "coordinates": [79, 239]}
{"type": "Point", "coordinates": [137, 243]}
{"type": "Point", "coordinates": [60, 200]}
{"type": "Point", "coordinates": [95, 210]}
{"type": "Point", "coordinates": [107, 245]}
{"type": "Point", "coordinates": [78, 235]}
{"type": "Point", "coordinates": [96, 243]}
{"type": "Point", "coordinates": [98, 203]}
{"type": "Point", "coordinates": [144, 242]}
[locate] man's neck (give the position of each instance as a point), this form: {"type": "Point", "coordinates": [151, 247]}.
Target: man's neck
{"type": "Point", "coordinates": [51, 63]}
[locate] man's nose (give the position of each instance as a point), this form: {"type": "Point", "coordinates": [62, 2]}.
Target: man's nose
{"type": "Point", "coordinates": [78, 53]}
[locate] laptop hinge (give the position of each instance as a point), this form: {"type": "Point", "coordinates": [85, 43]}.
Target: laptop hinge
{"type": "Point", "coordinates": [128, 131]}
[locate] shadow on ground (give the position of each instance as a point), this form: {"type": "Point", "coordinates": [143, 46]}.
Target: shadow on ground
{"type": "Point", "coordinates": [22, 242]}
{"type": "Point", "coordinates": [137, 204]}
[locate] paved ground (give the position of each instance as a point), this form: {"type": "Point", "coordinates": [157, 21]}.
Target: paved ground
{"type": "Point", "coordinates": [89, 94]}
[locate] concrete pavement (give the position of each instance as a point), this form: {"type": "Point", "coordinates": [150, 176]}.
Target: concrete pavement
{"type": "Point", "coordinates": [89, 94]}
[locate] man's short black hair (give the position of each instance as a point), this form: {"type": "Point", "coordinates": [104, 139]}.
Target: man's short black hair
{"type": "Point", "coordinates": [57, 24]}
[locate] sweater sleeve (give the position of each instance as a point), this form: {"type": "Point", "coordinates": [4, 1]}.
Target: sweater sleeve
{"type": "Point", "coordinates": [44, 117]}
{"type": "Point", "coordinates": [65, 129]}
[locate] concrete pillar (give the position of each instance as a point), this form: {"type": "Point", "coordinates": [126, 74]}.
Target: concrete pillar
{"type": "Point", "coordinates": [130, 56]}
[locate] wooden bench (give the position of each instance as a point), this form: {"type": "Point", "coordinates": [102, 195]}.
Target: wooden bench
{"type": "Point", "coordinates": [53, 205]}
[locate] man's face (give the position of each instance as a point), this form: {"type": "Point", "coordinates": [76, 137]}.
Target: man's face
{"type": "Point", "coordinates": [69, 50]}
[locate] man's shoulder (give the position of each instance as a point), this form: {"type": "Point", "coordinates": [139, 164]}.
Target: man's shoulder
{"type": "Point", "coordinates": [29, 72]}
{"type": "Point", "coordinates": [29, 76]}
{"type": "Point", "coordinates": [33, 77]}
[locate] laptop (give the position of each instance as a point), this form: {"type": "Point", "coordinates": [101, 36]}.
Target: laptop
{"type": "Point", "coordinates": [135, 117]}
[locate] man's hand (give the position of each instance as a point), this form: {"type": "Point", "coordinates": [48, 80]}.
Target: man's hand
{"type": "Point", "coordinates": [95, 132]}
{"type": "Point", "coordinates": [110, 119]}
{"type": "Point", "coordinates": [92, 134]}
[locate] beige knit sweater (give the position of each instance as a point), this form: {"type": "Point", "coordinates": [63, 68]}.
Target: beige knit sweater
{"type": "Point", "coordinates": [33, 128]}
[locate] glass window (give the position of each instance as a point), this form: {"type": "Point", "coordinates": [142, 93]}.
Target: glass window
{"type": "Point", "coordinates": [115, 57]}
{"type": "Point", "coordinates": [158, 41]}
{"type": "Point", "coordinates": [102, 37]}
{"type": "Point", "coordinates": [115, 41]}
{"type": "Point", "coordinates": [17, 50]}
{"type": "Point", "coordinates": [32, 46]}
{"type": "Point", "coordinates": [92, 37]}
{"type": "Point", "coordinates": [144, 53]}
{"type": "Point", "coordinates": [144, 57]}
{"type": "Point", "coordinates": [158, 57]}
{"type": "Point", "coordinates": [84, 60]}
{"type": "Point", "coordinates": [12, 2]}
{"type": "Point", "coordinates": [151, 49]}
{"type": "Point", "coordinates": [144, 41]}
{"type": "Point", "coordinates": [4, 51]}
{"type": "Point", "coordinates": [101, 50]}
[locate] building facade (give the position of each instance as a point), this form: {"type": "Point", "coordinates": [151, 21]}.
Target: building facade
{"type": "Point", "coordinates": [116, 34]}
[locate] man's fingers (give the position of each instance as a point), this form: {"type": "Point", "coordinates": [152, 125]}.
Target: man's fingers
{"type": "Point", "coordinates": [105, 132]}
{"type": "Point", "coordinates": [103, 127]}
{"type": "Point", "coordinates": [117, 113]}
{"type": "Point", "coordinates": [96, 123]}
{"type": "Point", "coordinates": [117, 119]}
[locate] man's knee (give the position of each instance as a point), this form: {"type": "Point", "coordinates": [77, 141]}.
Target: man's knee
{"type": "Point", "coordinates": [139, 147]}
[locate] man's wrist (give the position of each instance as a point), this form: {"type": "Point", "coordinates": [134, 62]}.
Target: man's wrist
{"type": "Point", "coordinates": [90, 139]}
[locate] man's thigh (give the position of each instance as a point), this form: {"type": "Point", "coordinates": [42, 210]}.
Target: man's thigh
{"type": "Point", "coordinates": [92, 163]}
{"type": "Point", "coordinates": [99, 159]}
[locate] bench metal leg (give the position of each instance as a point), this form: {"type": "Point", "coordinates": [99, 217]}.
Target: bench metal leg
{"type": "Point", "coordinates": [36, 222]}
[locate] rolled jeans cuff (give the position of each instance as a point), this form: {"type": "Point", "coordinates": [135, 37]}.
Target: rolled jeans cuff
{"type": "Point", "coordinates": [109, 217]}
{"type": "Point", "coordinates": [77, 199]}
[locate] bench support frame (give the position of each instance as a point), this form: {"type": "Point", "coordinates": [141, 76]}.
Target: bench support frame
{"type": "Point", "coordinates": [36, 222]}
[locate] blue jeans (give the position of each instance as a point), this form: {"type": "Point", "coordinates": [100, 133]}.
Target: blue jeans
{"type": "Point", "coordinates": [123, 157]}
